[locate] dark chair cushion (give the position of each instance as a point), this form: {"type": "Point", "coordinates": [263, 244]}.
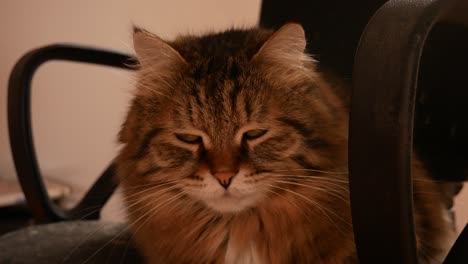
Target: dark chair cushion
{"type": "Point", "coordinates": [69, 242]}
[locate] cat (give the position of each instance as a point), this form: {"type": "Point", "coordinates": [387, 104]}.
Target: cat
{"type": "Point", "coordinates": [235, 151]}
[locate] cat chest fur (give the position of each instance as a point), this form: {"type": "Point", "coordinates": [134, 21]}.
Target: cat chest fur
{"type": "Point", "coordinates": [241, 254]}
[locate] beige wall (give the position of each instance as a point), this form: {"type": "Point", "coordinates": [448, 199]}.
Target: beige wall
{"type": "Point", "coordinates": [77, 109]}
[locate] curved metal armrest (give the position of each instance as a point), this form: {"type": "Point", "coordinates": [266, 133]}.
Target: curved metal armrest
{"type": "Point", "coordinates": [21, 137]}
{"type": "Point", "coordinates": [381, 130]}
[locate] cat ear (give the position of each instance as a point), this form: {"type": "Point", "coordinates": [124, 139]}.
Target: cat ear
{"type": "Point", "coordinates": [154, 52]}
{"type": "Point", "coordinates": [287, 43]}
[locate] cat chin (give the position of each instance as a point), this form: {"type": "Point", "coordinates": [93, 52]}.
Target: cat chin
{"type": "Point", "coordinates": [230, 204]}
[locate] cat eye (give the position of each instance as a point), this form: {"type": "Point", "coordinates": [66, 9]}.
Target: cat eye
{"type": "Point", "coordinates": [254, 133]}
{"type": "Point", "coordinates": [188, 138]}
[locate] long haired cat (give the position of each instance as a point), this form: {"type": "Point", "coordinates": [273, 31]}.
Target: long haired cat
{"type": "Point", "coordinates": [235, 151]}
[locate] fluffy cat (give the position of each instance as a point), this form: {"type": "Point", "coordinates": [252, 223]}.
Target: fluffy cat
{"type": "Point", "coordinates": [235, 151]}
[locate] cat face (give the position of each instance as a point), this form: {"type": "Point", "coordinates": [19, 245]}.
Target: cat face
{"type": "Point", "coordinates": [224, 126]}
{"type": "Point", "coordinates": [225, 153]}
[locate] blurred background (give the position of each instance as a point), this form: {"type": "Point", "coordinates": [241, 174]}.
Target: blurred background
{"type": "Point", "coordinates": [78, 109]}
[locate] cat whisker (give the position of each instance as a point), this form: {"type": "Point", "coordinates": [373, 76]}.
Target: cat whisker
{"type": "Point", "coordinates": [150, 184]}
{"type": "Point", "coordinates": [301, 210]}
{"type": "Point", "coordinates": [315, 177]}
{"type": "Point", "coordinates": [150, 189]}
{"type": "Point", "coordinates": [152, 212]}
{"type": "Point", "coordinates": [200, 223]}
{"type": "Point", "coordinates": [126, 247]}
{"type": "Point", "coordinates": [98, 208]}
{"type": "Point", "coordinates": [86, 238]}
{"type": "Point", "coordinates": [150, 196]}
{"type": "Point", "coordinates": [324, 210]}
{"type": "Point", "coordinates": [289, 201]}
{"type": "Point", "coordinates": [267, 192]}
{"type": "Point", "coordinates": [123, 209]}
{"type": "Point", "coordinates": [316, 188]}
{"type": "Point", "coordinates": [155, 211]}
{"type": "Point", "coordinates": [342, 185]}
{"type": "Point", "coordinates": [315, 170]}
{"type": "Point", "coordinates": [177, 195]}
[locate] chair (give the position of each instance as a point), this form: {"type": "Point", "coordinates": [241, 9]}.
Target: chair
{"type": "Point", "coordinates": [398, 54]}
{"type": "Point", "coordinates": [22, 143]}
{"type": "Point", "coordinates": [65, 246]}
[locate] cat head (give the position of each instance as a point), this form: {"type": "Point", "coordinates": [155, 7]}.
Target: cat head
{"type": "Point", "coordinates": [226, 117]}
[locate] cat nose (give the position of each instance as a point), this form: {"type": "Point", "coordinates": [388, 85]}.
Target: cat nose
{"type": "Point", "coordinates": [224, 178]}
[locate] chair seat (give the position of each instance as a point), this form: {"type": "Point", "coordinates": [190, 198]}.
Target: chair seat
{"type": "Point", "coordinates": [69, 242]}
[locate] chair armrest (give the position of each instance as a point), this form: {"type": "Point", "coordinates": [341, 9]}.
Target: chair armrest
{"type": "Point", "coordinates": [21, 137]}
{"type": "Point", "coordinates": [381, 128]}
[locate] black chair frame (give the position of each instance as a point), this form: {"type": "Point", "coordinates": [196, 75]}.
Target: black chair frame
{"type": "Point", "coordinates": [21, 134]}
{"type": "Point", "coordinates": [385, 80]}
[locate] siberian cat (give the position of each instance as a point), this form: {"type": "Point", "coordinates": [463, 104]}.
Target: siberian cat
{"type": "Point", "coordinates": [235, 151]}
